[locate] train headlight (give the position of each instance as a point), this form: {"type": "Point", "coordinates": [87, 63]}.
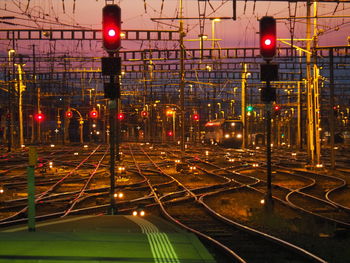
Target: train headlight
{"type": "Point", "coordinates": [239, 136]}
{"type": "Point", "coordinates": [139, 212]}
{"type": "Point", "coordinates": [119, 195]}
{"type": "Point", "coordinates": [227, 136]}
{"type": "Point", "coordinates": [121, 169]}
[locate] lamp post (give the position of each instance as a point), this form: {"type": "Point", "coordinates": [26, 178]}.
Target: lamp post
{"type": "Point", "coordinates": [81, 124]}
{"type": "Point", "coordinates": [11, 60]}
{"type": "Point", "coordinates": [20, 88]}
{"type": "Point", "coordinates": [201, 44]}
{"type": "Point", "coordinates": [213, 41]}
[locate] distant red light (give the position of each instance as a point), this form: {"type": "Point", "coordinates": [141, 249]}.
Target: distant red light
{"type": "Point", "coordinates": [196, 117]}
{"type": "Point", "coordinates": [93, 114]}
{"type": "Point", "coordinates": [121, 116]}
{"type": "Point", "coordinates": [144, 113]}
{"type": "Point", "coordinates": [69, 114]}
{"type": "Point", "coordinates": [170, 133]}
{"type": "Point", "coordinates": [39, 117]}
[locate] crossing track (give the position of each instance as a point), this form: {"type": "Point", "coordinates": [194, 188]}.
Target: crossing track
{"type": "Point", "coordinates": [186, 208]}
{"type": "Point", "coordinates": [305, 191]}
{"type": "Point", "coordinates": [53, 200]}
{"type": "Point", "coordinates": [194, 200]}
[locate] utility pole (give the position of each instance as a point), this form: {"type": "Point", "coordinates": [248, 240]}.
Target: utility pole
{"type": "Point", "coordinates": [33, 98]}
{"type": "Point", "coordinates": [316, 93]}
{"type": "Point", "coordinates": [243, 106]}
{"type": "Point", "coordinates": [313, 110]}
{"type": "Point", "coordinates": [182, 81]}
{"type": "Point", "coordinates": [299, 118]}
{"type": "Point", "coordinates": [331, 106]}
{"type": "Point", "coordinates": [20, 89]}
{"type": "Point", "coordinates": [310, 145]}
{"type": "Point", "coordinates": [11, 79]}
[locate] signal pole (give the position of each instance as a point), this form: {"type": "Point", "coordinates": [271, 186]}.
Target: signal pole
{"type": "Point", "coordinates": [268, 73]}
{"type": "Point", "coordinates": [182, 81]}
{"type": "Point", "coordinates": [111, 67]}
{"type": "Point", "coordinates": [243, 106]}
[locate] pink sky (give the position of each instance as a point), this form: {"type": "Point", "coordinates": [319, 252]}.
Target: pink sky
{"type": "Point", "coordinates": [239, 33]}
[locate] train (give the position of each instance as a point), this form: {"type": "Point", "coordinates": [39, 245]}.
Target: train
{"type": "Point", "coordinates": [224, 132]}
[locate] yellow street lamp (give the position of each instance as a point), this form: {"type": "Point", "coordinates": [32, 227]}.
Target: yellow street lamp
{"type": "Point", "coordinates": [213, 31]}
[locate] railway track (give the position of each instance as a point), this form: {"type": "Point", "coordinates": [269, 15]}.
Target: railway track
{"type": "Point", "coordinates": [153, 183]}
{"type": "Point", "coordinates": [197, 217]}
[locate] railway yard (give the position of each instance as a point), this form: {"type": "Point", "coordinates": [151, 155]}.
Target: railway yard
{"type": "Point", "coordinates": [216, 192]}
{"type": "Point", "coordinates": [187, 131]}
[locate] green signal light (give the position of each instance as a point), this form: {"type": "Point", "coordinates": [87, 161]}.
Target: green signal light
{"type": "Point", "coordinates": [249, 108]}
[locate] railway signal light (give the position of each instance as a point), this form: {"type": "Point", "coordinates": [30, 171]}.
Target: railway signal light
{"type": "Point", "coordinates": [144, 114]}
{"type": "Point", "coordinates": [111, 27]}
{"type": "Point", "coordinates": [121, 116]}
{"type": "Point", "coordinates": [93, 114]}
{"type": "Point", "coordinates": [196, 117]}
{"type": "Point", "coordinates": [39, 117]}
{"type": "Point", "coordinates": [69, 114]}
{"type": "Point", "coordinates": [268, 37]}
{"type": "Point", "coordinates": [170, 133]}
{"type": "Point", "coordinates": [250, 108]}
{"type": "Point", "coordinates": [276, 108]}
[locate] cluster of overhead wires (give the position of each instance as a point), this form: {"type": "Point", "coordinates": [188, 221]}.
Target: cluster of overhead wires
{"type": "Point", "coordinates": [40, 14]}
{"type": "Point", "coordinates": [45, 14]}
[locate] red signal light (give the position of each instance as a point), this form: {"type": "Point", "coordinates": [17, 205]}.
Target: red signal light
{"type": "Point", "coordinates": [39, 117]}
{"type": "Point", "coordinates": [276, 108]}
{"type": "Point", "coordinates": [268, 42]}
{"type": "Point", "coordinates": [170, 133]}
{"type": "Point", "coordinates": [268, 37]}
{"type": "Point", "coordinates": [144, 113]}
{"type": "Point", "coordinates": [69, 114]}
{"type": "Point", "coordinates": [196, 117]}
{"type": "Point", "coordinates": [111, 33]}
{"type": "Point", "coordinates": [111, 27]}
{"type": "Point", "coordinates": [93, 114]}
{"type": "Point", "coordinates": [121, 116]}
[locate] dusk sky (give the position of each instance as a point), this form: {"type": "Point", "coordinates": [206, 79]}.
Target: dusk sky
{"type": "Point", "coordinates": [137, 14]}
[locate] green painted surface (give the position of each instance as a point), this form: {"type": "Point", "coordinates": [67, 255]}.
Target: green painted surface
{"type": "Point", "coordinates": [97, 239]}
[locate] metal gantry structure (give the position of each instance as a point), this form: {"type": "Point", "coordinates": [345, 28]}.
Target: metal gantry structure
{"type": "Point", "coordinates": [213, 82]}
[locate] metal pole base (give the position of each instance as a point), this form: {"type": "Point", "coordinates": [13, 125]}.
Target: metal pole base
{"type": "Point", "coordinates": [268, 203]}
